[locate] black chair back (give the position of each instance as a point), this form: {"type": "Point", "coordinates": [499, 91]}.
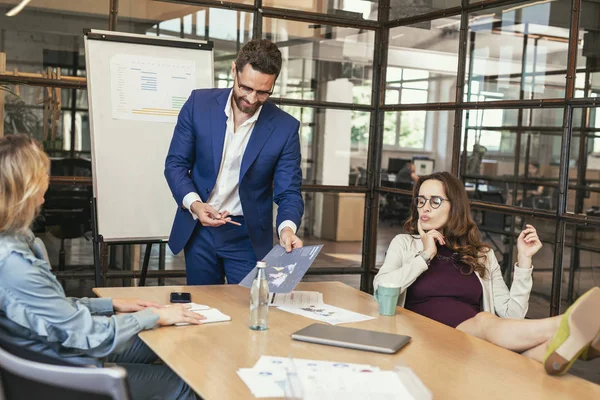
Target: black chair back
{"type": "Point", "coordinates": [67, 210]}
{"type": "Point", "coordinates": [490, 219]}
{"type": "Point", "coordinates": [25, 374]}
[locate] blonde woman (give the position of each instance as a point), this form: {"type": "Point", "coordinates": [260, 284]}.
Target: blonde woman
{"type": "Point", "coordinates": [36, 315]}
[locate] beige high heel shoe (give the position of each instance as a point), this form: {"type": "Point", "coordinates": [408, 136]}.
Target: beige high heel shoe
{"type": "Point", "coordinates": [577, 333]}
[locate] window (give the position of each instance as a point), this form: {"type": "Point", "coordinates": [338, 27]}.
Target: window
{"type": "Point", "coordinates": [493, 140]}
{"type": "Point", "coordinates": [227, 29]}
{"type": "Point", "coordinates": [406, 129]}
{"type": "Point", "coordinates": [360, 119]}
{"type": "Point", "coordinates": [322, 62]}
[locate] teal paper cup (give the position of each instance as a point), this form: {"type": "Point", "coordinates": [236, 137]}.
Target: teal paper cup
{"type": "Point", "coordinates": [387, 297]}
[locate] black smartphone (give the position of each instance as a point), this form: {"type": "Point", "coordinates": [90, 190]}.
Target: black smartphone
{"type": "Point", "coordinates": [181, 297]}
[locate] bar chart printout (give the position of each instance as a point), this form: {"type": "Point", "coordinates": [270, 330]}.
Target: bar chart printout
{"type": "Point", "coordinates": [150, 88]}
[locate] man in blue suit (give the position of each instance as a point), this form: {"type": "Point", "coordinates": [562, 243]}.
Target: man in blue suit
{"type": "Point", "coordinates": [233, 154]}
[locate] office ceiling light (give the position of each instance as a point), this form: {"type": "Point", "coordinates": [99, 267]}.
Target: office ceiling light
{"type": "Point", "coordinates": [17, 9]}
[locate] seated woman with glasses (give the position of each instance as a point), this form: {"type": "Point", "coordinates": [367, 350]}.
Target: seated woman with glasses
{"type": "Point", "coordinates": [446, 273]}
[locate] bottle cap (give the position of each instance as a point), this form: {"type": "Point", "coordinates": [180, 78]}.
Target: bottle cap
{"type": "Point", "coordinates": [261, 264]}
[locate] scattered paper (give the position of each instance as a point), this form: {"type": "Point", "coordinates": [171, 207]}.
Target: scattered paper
{"type": "Point", "coordinates": [285, 270]}
{"type": "Point", "coordinates": [270, 375]}
{"type": "Point", "coordinates": [327, 313]}
{"type": "Point", "coordinates": [315, 380]}
{"type": "Point", "coordinates": [263, 383]}
{"type": "Point", "coordinates": [349, 385]}
{"type": "Point", "coordinates": [295, 299]}
{"type": "Point", "coordinates": [283, 364]}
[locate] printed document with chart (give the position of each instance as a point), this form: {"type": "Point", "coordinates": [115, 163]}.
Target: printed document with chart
{"type": "Point", "coordinates": [150, 88]}
{"type": "Point", "coordinates": [284, 270]}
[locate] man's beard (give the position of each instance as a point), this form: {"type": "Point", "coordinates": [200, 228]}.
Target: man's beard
{"type": "Point", "coordinates": [243, 108]}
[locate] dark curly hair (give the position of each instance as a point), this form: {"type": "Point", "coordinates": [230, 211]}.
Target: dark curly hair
{"type": "Point", "coordinates": [461, 233]}
{"type": "Point", "coordinates": [263, 55]}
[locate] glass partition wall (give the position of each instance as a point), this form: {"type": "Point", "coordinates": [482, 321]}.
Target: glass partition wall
{"type": "Point", "coordinates": [502, 93]}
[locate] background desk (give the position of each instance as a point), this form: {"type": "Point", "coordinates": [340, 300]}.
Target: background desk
{"type": "Point", "coordinates": [452, 364]}
{"type": "Point", "coordinates": [343, 216]}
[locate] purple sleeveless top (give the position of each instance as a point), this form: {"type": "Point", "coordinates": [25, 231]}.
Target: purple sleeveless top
{"type": "Point", "coordinates": [443, 293]}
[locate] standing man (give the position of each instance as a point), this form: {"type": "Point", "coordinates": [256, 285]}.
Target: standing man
{"type": "Point", "coordinates": [233, 154]}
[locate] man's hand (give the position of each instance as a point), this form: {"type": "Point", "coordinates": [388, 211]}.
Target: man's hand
{"type": "Point", "coordinates": [133, 305]}
{"type": "Point", "coordinates": [208, 216]}
{"type": "Point", "coordinates": [177, 313]}
{"type": "Point", "coordinates": [289, 240]}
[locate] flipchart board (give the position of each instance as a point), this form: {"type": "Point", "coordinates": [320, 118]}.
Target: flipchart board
{"type": "Point", "coordinates": [136, 86]}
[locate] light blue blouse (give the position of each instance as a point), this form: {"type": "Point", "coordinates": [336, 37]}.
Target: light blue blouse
{"type": "Point", "coordinates": [36, 314]}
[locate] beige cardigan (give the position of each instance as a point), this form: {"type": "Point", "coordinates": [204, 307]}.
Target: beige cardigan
{"type": "Point", "coordinates": [402, 267]}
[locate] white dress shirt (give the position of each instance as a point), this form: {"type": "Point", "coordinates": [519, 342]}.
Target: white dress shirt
{"type": "Point", "coordinates": [225, 195]}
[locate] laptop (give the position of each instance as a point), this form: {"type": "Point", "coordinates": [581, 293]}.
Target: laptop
{"type": "Point", "coordinates": [352, 338]}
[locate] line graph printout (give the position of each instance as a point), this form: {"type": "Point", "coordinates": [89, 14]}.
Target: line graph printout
{"type": "Point", "coordinates": [150, 88]}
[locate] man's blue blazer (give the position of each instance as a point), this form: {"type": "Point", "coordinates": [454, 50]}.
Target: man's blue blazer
{"type": "Point", "coordinates": [270, 169]}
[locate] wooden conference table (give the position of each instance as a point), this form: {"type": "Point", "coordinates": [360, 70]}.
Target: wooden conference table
{"type": "Point", "coordinates": [450, 363]}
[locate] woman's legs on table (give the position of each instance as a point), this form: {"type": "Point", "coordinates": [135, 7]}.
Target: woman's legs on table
{"type": "Point", "coordinates": [512, 334]}
{"type": "Point", "coordinates": [556, 342]}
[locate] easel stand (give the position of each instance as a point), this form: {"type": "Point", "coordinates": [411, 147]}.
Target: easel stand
{"type": "Point", "coordinates": [101, 259]}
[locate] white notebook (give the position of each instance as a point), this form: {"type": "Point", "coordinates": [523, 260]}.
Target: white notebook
{"type": "Point", "coordinates": [211, 314]}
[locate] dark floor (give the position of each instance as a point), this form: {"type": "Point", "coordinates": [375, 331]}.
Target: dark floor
{"type": "Point", "coordinates": [348, 254]}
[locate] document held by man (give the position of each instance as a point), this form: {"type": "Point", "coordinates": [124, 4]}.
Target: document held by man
{"type": "Point", "coordinates": [285, 270]}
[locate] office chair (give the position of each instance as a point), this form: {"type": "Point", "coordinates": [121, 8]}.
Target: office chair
{"type": "Point", "coordinates": [67, 210]}
{"type": "Point", "coordinates": [490, 219]}
{"type": "Point", "coordinates": [493, 222]}
{"type": "Point", "coordinates": [548, 200]}
{"type": "Point", "coordinates": [397, 208]}
{"type": "Point", "coordinates": [24, 379]}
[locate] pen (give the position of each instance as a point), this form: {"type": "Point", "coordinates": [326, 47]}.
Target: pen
{"type": "Point", "coordinates": [229, 221]}
{"type": "Point", "coordinates": [273, 299]}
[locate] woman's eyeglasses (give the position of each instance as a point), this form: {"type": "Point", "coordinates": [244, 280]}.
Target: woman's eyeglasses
{"type": "Point", "coordinates": [262, 95]}
{"type": "Point", "coordinates": [434, 201]}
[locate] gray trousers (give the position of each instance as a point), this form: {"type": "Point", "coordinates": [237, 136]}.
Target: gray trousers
{"type": "Point", "coordinates": [148, 381]}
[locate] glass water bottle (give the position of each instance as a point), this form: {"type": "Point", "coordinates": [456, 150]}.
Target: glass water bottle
{"type": "Point", "coordinates": [259, 299]}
